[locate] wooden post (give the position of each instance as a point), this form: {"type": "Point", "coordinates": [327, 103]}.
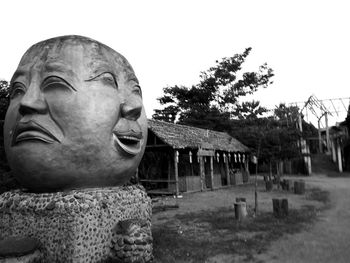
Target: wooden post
{"type": "Point", "coordinates": [256, 187]}
{"type": "Point", "coordinates": [201, 172]}
{"type": "Point", "coordinates": [327, 134]}
{"type": "Point", "coordinates": [169, 168]}
{"type": "Point", "coordinates": [227, 172]}
{"type": "Point", "coordinates": [334, 152]}
{"type": "Point", "coordinates": [211, 173]}
{"type": "Point", "coordinates": [309, 165]}
{"type": "Point", "coordinates": [176, 173]}
{"type": "Point", "coordinates": [300, 122]}
{"type": "Point", "coordinates": [340, 164]}
{"type": "Point", "coordinates": [319, 137]}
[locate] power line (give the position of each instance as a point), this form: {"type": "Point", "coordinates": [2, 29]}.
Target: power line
{"type": "Point", "coordinates": [333, 107]}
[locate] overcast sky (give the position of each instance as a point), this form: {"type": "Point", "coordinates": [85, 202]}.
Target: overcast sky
{"type": "Point", "coordinates": [307, 43]}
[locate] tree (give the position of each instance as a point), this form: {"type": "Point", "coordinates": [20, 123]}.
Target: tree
{"type": "Point", "coordinates": [6, 180]}
{"type": "Point", "coordinates": [271, 140]}
{"type": "Point", "coordinates": [287, 114]}
{"type": "Point", "coordinates": [215, 99]}
{"type": "Point", "coordinates": [250, 110]}
{"type": "Point", "coordinates": [4, 98]}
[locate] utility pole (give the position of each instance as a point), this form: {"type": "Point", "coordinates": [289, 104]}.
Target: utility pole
{"type": "Point", "coordinates": [256, 161]}
{"type": "Point", "coordinates": [327, 133]}
{"type": "Point", "coordinates": [319, 135]}
{"type": "Point", "coordinates": [304, 147]}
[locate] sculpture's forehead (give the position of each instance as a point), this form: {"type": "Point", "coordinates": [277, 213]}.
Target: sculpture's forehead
{"type": "Point", "coordinates": [84, 56]}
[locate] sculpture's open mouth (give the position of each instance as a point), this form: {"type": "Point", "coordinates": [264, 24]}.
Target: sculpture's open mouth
{"type": "Point", "coordinates": [32, 131]}
{"type": "Point", "coordinates": [130, 141]}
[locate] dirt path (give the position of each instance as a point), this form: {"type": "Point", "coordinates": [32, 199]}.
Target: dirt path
{"type": "Point", "coordinates": [328, 240]}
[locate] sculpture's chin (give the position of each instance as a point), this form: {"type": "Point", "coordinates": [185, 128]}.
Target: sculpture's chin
{"type": "Point", "coordinates": [41, 167]}
{"type": "Point", "coordinates": [60, 181]}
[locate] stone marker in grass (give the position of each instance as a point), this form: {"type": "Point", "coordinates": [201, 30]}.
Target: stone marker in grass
{"type": "Point", "coordinates": [280, 207]}
{"type": "Point", "coordinates": [299, 187]}
{"type": "Point", "coordinates": [241, 199]}
{"type": "Point", "coordinates": [240, 210]}
{"type": "Point", "coordinates": [269, 185]}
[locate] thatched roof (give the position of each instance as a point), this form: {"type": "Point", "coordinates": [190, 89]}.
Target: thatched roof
{"type": "Point", "coordinates": [182, 136]}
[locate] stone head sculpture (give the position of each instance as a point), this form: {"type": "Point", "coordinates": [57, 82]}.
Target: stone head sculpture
{"type": "Point", "coordinates": [76, 117]}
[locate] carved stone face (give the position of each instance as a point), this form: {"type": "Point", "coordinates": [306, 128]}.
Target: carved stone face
{"type": "Point", "coordinates": [76, 117]}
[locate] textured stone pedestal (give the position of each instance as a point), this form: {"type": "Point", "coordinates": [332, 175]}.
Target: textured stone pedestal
{"type": "Point", "coordinates": [91, 225]}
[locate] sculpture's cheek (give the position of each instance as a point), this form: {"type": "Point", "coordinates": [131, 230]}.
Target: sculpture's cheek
{"type": "Point", "coordinates": [85, 157]}
{"type": "Point", "coordinates": [84, 162]}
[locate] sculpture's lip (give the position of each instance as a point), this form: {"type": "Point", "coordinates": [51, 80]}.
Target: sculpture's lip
{"type": "Point", "coordinates": [32, 131]}
{"type": "Point", "coordinates": [129, 141]}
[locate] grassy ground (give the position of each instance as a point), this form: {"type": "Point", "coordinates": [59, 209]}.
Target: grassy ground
{"type": "Point", "coordinates": [198, 236]}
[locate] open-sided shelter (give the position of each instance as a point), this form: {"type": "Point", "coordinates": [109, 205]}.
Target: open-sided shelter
{"type": "Point", "coordinates": [180, 158]}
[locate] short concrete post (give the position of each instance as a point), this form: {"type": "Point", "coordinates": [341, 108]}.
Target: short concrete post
{"type": "Point", "coordinates": [241, 199]}
{"type": "Point", "coordinates": [299, 187]}
{"type": "Point", "coordinates": [339, 158]}
{"type": "Point", "coordinates": [280, 207]}
{"type": "Point", "coordinates": [286, 184]}
{"type": "Point", "coordinates": [240, 211]}
{"type": "Point", "coordinates": [269, 185]}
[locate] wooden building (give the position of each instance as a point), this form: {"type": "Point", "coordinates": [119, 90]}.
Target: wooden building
{"type": "Point", "coordinates": [180, 158]}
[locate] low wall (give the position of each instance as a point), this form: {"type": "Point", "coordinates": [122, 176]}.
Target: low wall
{"type": "Point", "coordinates": [189, 183]}
{"type": "Point", "coordinates": [91, 225]}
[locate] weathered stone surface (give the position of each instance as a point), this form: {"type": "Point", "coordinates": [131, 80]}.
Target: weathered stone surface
{"type": "Point", "coordinates": [81, 227]}
{"type": "Point", "coordinates": [134, 242]}
{"type": "Point", "coordinates": [76, 117]}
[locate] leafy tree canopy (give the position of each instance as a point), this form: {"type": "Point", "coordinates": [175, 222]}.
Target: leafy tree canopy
{"type": "Point", "coordinates": [267, 137]}
{"type": "Point", "coordinates": [287, 114]}
{"type": "Point", "coordinates": [216, 97]}
{"type": "Point", "coordinates": [275, 137]}
{"type": "Point", "coordinates": [4, 98]}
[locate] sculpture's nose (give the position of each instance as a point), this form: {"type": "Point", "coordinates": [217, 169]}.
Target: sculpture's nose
{"type": "Point", "coordinates": [33, 101]}
{"type": "Point", "coordinates": [132, 108]}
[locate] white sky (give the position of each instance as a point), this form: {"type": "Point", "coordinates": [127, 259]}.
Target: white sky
{"type": "Point", "coordinates": [306, 42]}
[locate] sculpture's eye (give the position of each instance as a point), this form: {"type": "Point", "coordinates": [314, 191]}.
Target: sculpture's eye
{"type": "Point", "coordinates": [54, 83]}
{"type": "Point", "coordinates": [137, 90]}
{"type": "Point", "coordinates": [18, 89]}
{"type": "Point", "coordinates": [107, 78]}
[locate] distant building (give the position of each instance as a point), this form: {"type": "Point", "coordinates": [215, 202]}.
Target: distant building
{"type": "Point", "coordinates": [180, 158]}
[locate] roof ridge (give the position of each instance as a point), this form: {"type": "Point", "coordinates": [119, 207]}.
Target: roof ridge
{"type": "Point", "coordinates": [182, 136]}
{"type": "Point", "coordinates": [189, 126]}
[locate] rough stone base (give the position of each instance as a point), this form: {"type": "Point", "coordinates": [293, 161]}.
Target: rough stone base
{"type": "Point", "coordinates": [91, 225]}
